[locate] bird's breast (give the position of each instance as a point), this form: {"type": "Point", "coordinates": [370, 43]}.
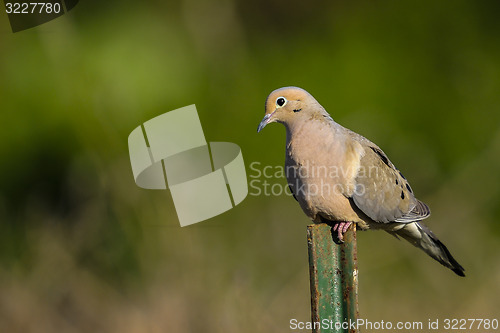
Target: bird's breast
{"type": "Point", "coordinates": [320, 171]}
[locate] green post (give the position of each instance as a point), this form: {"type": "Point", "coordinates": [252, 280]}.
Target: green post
{"type": "Point", "coordinates": [333, 273]}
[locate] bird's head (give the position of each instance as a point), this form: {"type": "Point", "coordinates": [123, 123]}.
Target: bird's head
{"type": "Point", "coordinates": [289, 104]}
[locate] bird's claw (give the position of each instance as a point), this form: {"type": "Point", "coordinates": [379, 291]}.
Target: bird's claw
{"type": "Point", "coordinates": [341, 229]}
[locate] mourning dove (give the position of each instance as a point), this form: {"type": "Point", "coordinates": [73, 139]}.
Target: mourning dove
{"type": "Point", "coordinates": [340, 177]}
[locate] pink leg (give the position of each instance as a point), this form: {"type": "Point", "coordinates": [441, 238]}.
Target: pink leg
{"type": "Point", "coordinates": [341, 228]}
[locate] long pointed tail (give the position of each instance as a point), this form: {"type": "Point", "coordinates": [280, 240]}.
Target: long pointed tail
{"type": "Point", "coordinates": [422, 237]}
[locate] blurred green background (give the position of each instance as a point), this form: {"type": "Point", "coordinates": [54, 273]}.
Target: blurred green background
{"type": "Point", "coordinates": [83, 249]}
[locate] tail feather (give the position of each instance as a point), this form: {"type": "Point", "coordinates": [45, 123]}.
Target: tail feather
{"type": "Point", "coordinates": [422, 237]}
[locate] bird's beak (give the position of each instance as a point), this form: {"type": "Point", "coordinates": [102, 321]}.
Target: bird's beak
{"type": "Point", "coordinates": [266, 120]}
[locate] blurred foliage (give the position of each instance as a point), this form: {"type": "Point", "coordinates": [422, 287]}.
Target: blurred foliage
{"type": "Point", "coordinates": [84, 249]}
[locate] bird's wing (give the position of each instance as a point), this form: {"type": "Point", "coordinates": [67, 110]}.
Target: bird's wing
{"type": "Point", "coordinates": [382, 192]}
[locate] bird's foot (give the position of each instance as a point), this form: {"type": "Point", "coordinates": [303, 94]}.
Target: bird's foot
{"type": "Point", "coordinates": [341, 229]}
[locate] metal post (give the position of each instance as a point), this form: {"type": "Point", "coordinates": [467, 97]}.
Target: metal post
{"type": "Point", "coordinates": [333, 273]}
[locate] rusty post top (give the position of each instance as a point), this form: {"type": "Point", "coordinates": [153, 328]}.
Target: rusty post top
{"type": "Point", "coordinates": [333, 279]}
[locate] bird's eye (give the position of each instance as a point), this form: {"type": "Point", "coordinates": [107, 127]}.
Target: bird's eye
{"type": "Point", "coordinates": [280, 101]}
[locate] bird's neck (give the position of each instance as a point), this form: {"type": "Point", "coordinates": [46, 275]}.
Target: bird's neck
{"type": "Point", "coordinates": [303, 137]}
{"type": "Point", "coordinates": [307, 125]}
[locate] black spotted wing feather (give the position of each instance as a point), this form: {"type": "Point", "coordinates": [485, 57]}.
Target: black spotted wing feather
{"type": "Point", "coordinates": [382, 192]}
